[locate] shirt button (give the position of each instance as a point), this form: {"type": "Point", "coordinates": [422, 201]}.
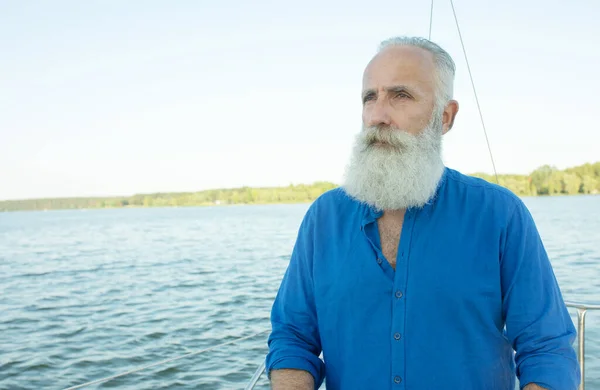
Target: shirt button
{"type": "Point", "coordinates": [397, 379]}
{"type": "Point", "coordinates": [398, 294]}
{"type": "Point", "coordinates": [397, 336]}
{"type": "Point", "coordinates": [379, 261]}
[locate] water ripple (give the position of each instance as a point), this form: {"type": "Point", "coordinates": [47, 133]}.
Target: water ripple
{"type": "Point", "coordinates": [89, 295]}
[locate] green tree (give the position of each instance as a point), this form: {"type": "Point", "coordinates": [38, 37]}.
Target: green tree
{"type": "Point", "coordinates": [571, 183]}
{"type": "Point", "coordinates": [541, 179]}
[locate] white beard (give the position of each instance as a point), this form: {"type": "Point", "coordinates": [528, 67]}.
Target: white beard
{"type": "Point", "coordinates": [403, 173]}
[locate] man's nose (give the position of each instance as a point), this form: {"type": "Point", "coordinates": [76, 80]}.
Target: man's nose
{"type": "Point", "coordinates": [379, 114]}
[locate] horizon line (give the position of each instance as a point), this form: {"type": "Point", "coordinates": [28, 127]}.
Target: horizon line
{"type": "Point", "coordinates": [258, 187]}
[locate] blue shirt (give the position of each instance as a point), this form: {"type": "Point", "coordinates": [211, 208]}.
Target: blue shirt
{"type": "Point", "coordinates": [472, 285]}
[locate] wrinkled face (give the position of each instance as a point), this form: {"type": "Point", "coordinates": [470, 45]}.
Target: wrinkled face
{"type": "Point", "coordinates": [396, 161]}
{"type": "Point", "coordinates": [399, 89]}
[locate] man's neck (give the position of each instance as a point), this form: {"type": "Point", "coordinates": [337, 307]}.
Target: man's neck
{"type": "Point", "coordinates": [394, 214]}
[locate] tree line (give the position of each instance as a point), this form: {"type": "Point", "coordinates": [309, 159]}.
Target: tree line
{"type": "Point", "coordinates": [544, 181]}
{"type": "Point", "coordinates": [548, 180]}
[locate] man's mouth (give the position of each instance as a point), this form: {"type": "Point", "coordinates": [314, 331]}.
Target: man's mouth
{"type": "Point", "coordinates": [382, 144]}
{"type": "Point", "coordinates": [377, 142]}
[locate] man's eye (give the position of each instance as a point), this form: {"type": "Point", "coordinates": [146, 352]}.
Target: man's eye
{"type": "Point", "coordinates": [368, 98]}
{"type": "Point", "coordinates": [403, 95]}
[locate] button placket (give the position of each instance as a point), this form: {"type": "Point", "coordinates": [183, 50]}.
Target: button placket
{"type": "Point", "coordinates": [399, 304]}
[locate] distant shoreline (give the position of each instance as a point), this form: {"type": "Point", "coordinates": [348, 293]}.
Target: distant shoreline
{"type": "Point", "coordinates": [237, 204]}
{"type": "Point", "coordinates": [544, 181]}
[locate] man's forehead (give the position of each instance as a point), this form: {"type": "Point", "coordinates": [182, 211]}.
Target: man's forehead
{"type": "Point", "coordinates": [399, 64]}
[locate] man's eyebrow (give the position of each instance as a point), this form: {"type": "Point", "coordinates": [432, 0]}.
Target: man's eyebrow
{"type": "Point", "coordinates": [392, 89]}
{"type": "Point", "coordinates": [368, 92]}
{"type": "Point", "coordinates": [402, 88]}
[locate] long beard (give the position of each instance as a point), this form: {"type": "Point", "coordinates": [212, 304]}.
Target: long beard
{"type": "Point", "coordinates": [391, 169]}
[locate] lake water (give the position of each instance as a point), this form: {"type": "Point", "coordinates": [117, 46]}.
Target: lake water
{"type": "Point", "coordinates": [89, 294]}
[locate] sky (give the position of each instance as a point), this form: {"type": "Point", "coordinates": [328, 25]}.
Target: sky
{"type": "Point", "coordinates": [103, 98]}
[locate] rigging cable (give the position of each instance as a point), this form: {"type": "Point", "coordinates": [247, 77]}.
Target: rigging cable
{"type": "Point", "coordinates": [474, 91]}
{"type": "Point", "coordinates": [430, 19]}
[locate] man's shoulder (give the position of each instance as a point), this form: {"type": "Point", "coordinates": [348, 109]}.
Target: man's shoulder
{"type": "Point", "coordinates": [333, 203]}
{"type": "Point", "coordinates": [336, 196]}
{"type": "Point", "coordinates": [479, 188]}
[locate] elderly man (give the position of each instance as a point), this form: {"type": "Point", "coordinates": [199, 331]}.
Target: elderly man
{"type": "Point", "coordinates": [412, 275]}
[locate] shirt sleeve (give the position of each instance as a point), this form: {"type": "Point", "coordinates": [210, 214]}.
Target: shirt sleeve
{"type": "Point", "coordinates": [294, 341]}
{"type": "Point", "coordinates": [538, 323]}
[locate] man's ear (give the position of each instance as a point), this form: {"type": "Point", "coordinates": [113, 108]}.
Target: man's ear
{"type": "Point", "coordinates": [449, 115]}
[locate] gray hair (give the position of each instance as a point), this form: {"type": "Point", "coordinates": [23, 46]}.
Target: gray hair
{"type": "Point", "coordinates": [443, 61]}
